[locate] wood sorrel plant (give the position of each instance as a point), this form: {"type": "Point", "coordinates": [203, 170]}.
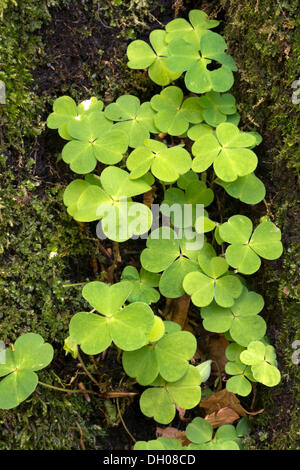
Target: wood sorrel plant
{"type": "Point", "coordinates": [187, 144]}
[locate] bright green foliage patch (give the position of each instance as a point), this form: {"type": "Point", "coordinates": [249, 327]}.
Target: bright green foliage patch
{"type": "Point", "coordinates": [241, 320]}
{"type": "Point", "coordinates": [246, 248]}
{"type": "Point", "coordinates": [141, 56]}
{"type": "Point", "coordinates": [262, 360]}
{"type": "Point", "coordinates": [217, 107]}
{"type": "Point", "coordinates": [143, 285]}
{"type": "Point", "coordinates": [248, 189]}
{"type": "Point", "coordinates": [126, 326]}
{"type": "Point", "coordinates": [165, 163]}
{"type": "Point", "coordinates": [174, 114]}
{"type": "Point", "coordinates": [133, 118]}
{"type": "Point", "coordinates": [159, 401]}
{"type": "Point", "coordinates": [228, 152]}
{"type": "Point", "coordinates": [213, 282]}
{"type": "Point", "coordinates": [30, 354]}
{"type": "Point", "coordinates": [168, 357]}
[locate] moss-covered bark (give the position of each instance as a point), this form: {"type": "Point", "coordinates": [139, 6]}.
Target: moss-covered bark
{"type": "Point", "coordinates": [79, 50]}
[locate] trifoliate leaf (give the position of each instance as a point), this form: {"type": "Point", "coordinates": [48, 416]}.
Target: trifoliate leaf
{"type": "Point", "coordinates": [228, 152]}
{"type": "Point", "coordinates": [30, 354]}
{"type": "Point", "coordinates": [133, 118]}
{"type": "Point", "coordinates": [173, 112]}
{"type": "Point", "coordinates": [216, 107]}
{"type": "Point", "coordinates": [165, 163]}
{"type": "Point", "coordinates": [245, 249]}
{"type": "Point", "coordinates": [142, 56]}
{"type": "Point", "coordinates": [143, 285]}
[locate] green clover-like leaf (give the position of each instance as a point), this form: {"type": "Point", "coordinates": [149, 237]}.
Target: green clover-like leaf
{"type": "Point", "coordinates": [228, 152]}
{"type": "Point", "coordinates": [200, 433]}
{"type": "Point", "coordinates": [248, 189]}
{"type": "Point", "coordinates": [133, 118]}
{"type": "Point", "coordinates": [144, 283]}
{"type": "Point", "coordinates": [65, 110]}
{"type": "Point", "coordinates": [184, 56]}
{"type": "Point", "coordinates": [213, 283]}
{"type": "Point", "coordinates": [109, 199]}
{"type": "Point", "coordinates": [30, 354]}
{"type": "Point", "coordinates": [165, 252]}
{"type": "Point", "coordinates": [198, 131]}
{"type": "Point", "coordinates": [162, 443]}
{"type": "Point", "coordinates": [216, 107]}
{"type": "Point", "coordinates": [165, 163]}
{"type": "Point", "coordinates": [168, 357]}
{"type": "Point", "coordinates": [95, 139]}
{"type": "Point", "coordinates": [190, 32]}
{"type": "Point", "coordinates": [126, 326]}
{"type": "Point", "coordinates": [142, 56]}
{"type": "Point", "coordinates": [173, 112]}
{"type": "Point", "coordinates": [262, 359]}
{"type": "Point", "coordinates": [181, 201]}
{"type": "Point", "coordinates": [242, 319]}
{"type": "Point", "coordinates": [160, 401]}
{"type": "Point", "coordinates": [246, 248]}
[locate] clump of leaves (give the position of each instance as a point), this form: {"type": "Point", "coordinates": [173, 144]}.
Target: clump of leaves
{"type": "Point", "coordinates": [126, 326]}
{"type": "Point", "coordinates": [167, 356]}
{"type": "Point", "coordinates": [246, 247]}
{"type": "Point", "coordinates": [160, 401]}
{"type": "Point", "coordinates": [29, 354]}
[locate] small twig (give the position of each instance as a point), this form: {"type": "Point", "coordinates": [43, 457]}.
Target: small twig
{"type": "Point", "coordinates": [86, 370]}
{"type": "Point", "coordinates": [123, 422]}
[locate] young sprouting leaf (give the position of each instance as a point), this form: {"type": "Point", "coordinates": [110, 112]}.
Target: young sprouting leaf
{"type": "Point", "coordinates": [228, 152]}
{"type": "Point", "coordinates": [216, 107]}
{"type": "Point", "coordinates": [133, 118]}
{"type": "Point", "coordinates": [30, 354]}
{"type": "Point", "coordinates": [248, 189]}
{"type": "Point", "coordinates": [144, 283]}
{"type": "Point", "coordinates": [242, 319]}
{"type": "Point", "coordinates": [95, 138]}
{"type": "Point", "coordinates": [181, 28]}
{"type": "Point", "coordinates": [165, 252]}
{"type": "Point", "coordinates": [204, 370]}
{"type": "Point", "coordinates": [142, 56]}
{"type": "Point", "coordinates": [110, 201]}
{"type": "Point", "coordinates": [168, 357]}
{"type": "Point", "coordinates": [240, 383]}
{"type": "Point", "coordinates": [214, 282]}
{"type": "Point", "coordinates": [173, 112]}
{"type": "Point", "coordinates": [160, 401]}
{"type": "Point", "coordinates": [165, 163]}
{"type": "Point", "coordinates": [246, 248]}
{"type": "Point", "coordinates": [262, 360]}
{"type": "Point", "coordinates": [185, 57]}
{"type": "Point", "coordinates": [126, 326]}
